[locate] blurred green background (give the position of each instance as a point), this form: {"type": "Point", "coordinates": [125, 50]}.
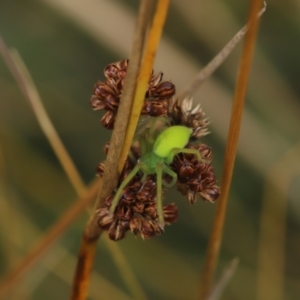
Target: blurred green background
{"type": "Point", "coordinates": [66, 45]}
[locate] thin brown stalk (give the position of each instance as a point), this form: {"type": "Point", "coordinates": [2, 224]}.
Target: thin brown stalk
{"type": "Point", "coordinates": [224, 280]}
{"type": "Point", "coordinates": [231, 148]}
{"type": "Point", "coordinates": [48, 238]}
{"type": "Point", "coordinates": [111, 165]}
{"type": "Point", "coordinates": [211, 67]}
{"type": "Point", "coordinates": [25, 82]}
{"type": "Point", "coordinates": [92, 230]}
{"type": "Point", "coordinates": [120, 144]}
{"type": "Point", "coordinates": [144, 75]}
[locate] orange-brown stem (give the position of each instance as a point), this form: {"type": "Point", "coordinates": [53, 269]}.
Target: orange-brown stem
{"type": "Point", "coordinates": [83, 268]}
{"type": "Point", "coordinates": [92, 231]}
{"type": "Point", "coordinates": [231, 148]}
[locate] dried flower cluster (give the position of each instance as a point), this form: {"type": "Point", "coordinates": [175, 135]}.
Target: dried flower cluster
{"type": "Point", "coordinates": [136, 210]}
{"type": "Point", "coordinates": [107, 94]}
{"type": "Point", "coordinates": [196, 177]}
{"type": "Point", "coordinates": [188, 116]}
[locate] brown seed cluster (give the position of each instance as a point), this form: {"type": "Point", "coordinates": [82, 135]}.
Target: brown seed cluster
{"type": "Point", "coordinates": [136, 210]}
{"type": "Point", "coordinates": [107, 94]}
{"type": "Point", "coordinates": [194, 176]}
{"type": "Point", "coordinates": [184, 114]}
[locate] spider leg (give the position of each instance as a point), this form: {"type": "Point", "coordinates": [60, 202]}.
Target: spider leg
{"type": "Point", "coordinates": [175, 151]}
{"type": "Point", "coordinates": [172, 174]}
{"type": "Point", "coordinates": [160, 212]}
{"type": "Point", "coordinates": [116, 199]}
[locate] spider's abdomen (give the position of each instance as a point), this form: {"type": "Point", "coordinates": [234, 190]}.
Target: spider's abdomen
{"type": "Point", "coordinates": [173, 137]}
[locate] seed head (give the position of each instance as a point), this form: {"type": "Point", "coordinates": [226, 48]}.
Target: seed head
{"type": "Point", "coordinates": [194, 176]}
{"type": "Point", "coordinates": [190, 117]}
{"type": "Point", "coordinates": [107, 94]}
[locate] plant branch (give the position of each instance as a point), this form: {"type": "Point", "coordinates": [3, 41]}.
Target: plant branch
{"type": "Point", "coordinates": [114, 164]}
{"type": "Point", "coordinates": [42, 245]}
{"type": "Point", "coordinates": [231, 149]}
{"type": "Point", "coordinates": [25, 82]}
{"type": "Point", "coordinates": [111, 173]}
{"type": "Point", "coordinates": [224, 280]}
{"type": "Point", "coordinates": [211, 67]}
{"type": "Point", "coordinates": [144, 75]}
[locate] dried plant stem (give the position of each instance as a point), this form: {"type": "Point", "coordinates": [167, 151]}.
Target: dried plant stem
{"type": "Point", "coordinates": [49, 237]}
{"type": "Point", "coordinates": [120, 143]}
{"type": "Point", "coordinates": [231, 148]}
{"type": "Point", "coordinates": [25, 82]}
{"type": "Point", "coordinates": [211, 67]}
{"type": "Point", "coordinates": [110, 175]}
{"type": "Point", "coordinates": [224, 279]}
{"type": "Point", "coordinates": [144, 75]}
{"type": "Point", "coordinates": [92, 231]}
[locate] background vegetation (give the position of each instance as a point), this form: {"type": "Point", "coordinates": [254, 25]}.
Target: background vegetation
{"type": "Point", "coordinates": [65, 45]}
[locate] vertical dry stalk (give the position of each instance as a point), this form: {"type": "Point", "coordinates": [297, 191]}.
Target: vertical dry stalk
{"type": "Point", "coordinates": [113, 164]}
{"type": "Point", "coordinates": [231, 148]}
{"type": "Point", "coordinates": [25, 82]}
{"type": "Point", "coordinates": [212, 66]}
{"type": "Point", "coordinates": [143, 79]}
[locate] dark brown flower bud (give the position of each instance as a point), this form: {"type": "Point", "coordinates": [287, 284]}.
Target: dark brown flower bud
{"type": "Point", "coordinates": [163, 90]}
{"type": "Point", "coordinates": [116, 232]}
{"type": "Point", "coordinates": [151, 211]}
{"type": "Point", "coordinates": [108, 96]}
{"type": "Point", "coordinates": [195, 183]}
{"type": "Point", "coordinates": [170, 213]}
{"type": "Point", "coordinates": [184, 114]}
{"type": "Point", "coordinates": [155, 108]}
{"type": "Point", "coordinates": [155, 80]}
{"type": "Point", "coordinates": [143, 194]}
{"type": "Point", "coordinates": [205, 152]}
{"type": "Point", "coordinates": [191, 197]}
{"type": "Point", "coordinates": [127, 195]}
{"type": "Point", "coordinates": [116, 70]}
{"type": "Point", "coordinates": [211, 194]}
{"type": "Point", "coordinates": [136, 223]}
{"type": "Point", "coordinates": [200, 167]}
{"type": "Point", "coordinates": [150, 228]}
{"type": "Point", "coordinates": [185, 168]}
{"type": "Point", "coordinates": [138, 207]}
{"type": "Point", "coordinates": [108, 201]}
{"type": "Point", "coordinates": [105, 218]}
{"type": "Point", "coordinates": [96, 103]}
{"type": "Point", "coordinates": [108, 120]}
{"type": "Point", "coordinates": [124, 212]}
{"type": "Point", "coordinates": [100, 169]}
{"type": "Point", "coordinates": [124, 224]}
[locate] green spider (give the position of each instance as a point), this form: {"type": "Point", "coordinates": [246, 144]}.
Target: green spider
{"type": "Point", "coordinates": [157, 159]}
